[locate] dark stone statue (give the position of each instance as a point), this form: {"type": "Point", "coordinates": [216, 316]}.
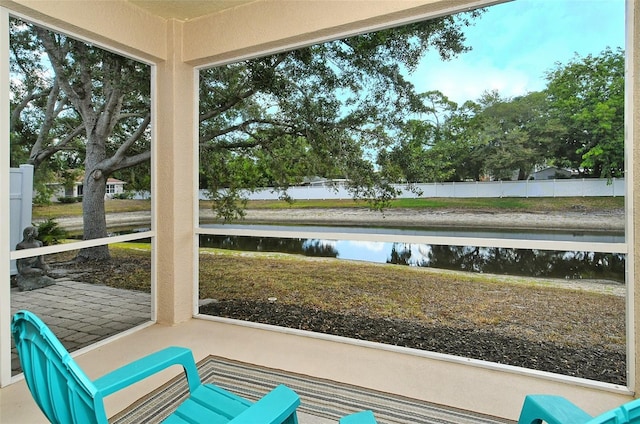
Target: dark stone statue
{"type": "Point", "coordinates": [32, 272]}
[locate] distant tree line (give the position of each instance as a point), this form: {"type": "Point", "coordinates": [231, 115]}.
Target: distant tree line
{"type": "Point", "coordinates": [576, 123]}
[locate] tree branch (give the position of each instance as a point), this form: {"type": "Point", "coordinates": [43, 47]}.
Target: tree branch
{"type": "Point", "coordinates": [233, 101]}
{"type": "Point", "coordinates": [245, 128]}
{"type": "Point", "coordinates": [110, 113]}
{"type": "Point", "coordinates": [228, 105]}
{"type": "Point", "coordinates": [18, 108]}
{"type": "Point", "coordinates": [131, 161]}
{"type": "Point", "coordinates": [40, 155]}
{"type": "Point", "coordinates": [56, 57]}
{"type": "Point", "coordinates": [85, 103]}
{"type": "Point", "coordinates": [115, 161]}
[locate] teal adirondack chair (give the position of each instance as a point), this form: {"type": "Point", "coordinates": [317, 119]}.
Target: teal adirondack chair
{"type": "Point", "coordinates": [66, 395]}
{"type": "Point", "coordinates": [558, 410]}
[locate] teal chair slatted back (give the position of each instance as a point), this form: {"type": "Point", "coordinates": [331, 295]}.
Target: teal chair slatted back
{"type": "Point", "coordinates": [60, 388]}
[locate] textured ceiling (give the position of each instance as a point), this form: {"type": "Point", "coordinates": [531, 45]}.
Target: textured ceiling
{"type": "Point", "coordinates": [186, 9]}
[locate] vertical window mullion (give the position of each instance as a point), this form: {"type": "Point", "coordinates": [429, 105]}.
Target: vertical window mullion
{"type": "Point", "coordinates": [5, 289]}
{"type": "Point", "coordinates": [631, 9]}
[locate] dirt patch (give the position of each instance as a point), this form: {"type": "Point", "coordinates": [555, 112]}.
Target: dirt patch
{"type": "Point", "coordinates": [612, 220]}
{"type": "Point", "coordinates": [578, 220]}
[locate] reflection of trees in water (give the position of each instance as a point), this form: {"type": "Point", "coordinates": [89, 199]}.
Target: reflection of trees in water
{"type": "Point", "coordinates": [534, 263]}
{"type": "Point", "coordinates": [269, 244]}
{"type": "Point", "coordinates": [491, 260]}
{"type": "Point", "coordinates": [253, 244]}
{"type": "Point", "coordinates": [599, 265]}
{"type": "Point", "coordinates": [319, 248]}
{"type": "Point", "coordinates": [400, 254]}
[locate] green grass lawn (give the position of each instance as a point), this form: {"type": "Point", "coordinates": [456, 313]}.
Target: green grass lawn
{"type": "Point", "coordinates": [585, 204]}
{"type": "Point", "coordinates": [500, 204]}
{"type": "Point", "coordinates": [55, 210]}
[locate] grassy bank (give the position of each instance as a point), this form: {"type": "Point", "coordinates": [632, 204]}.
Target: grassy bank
{"type": "Point", "coordinates": [526, 307]}
{"type": "Point", "coordinates": [586, 204]}
{"type": "Point", "coordinates": [433, 297]}
{"type": "Point", "coordinates": [56, 210]}
{"type": "Point", "coordinates": [469, 204]}
{"type": "Point", "coordinates": [527, 322]}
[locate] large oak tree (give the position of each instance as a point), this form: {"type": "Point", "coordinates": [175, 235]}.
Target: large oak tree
{"type": "Point", "coordinates": [80, 106]}
{"type": "Point", "coordinates": [324, 110]}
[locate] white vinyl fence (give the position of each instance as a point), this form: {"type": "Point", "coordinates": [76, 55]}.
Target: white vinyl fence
{"type": "Point", "coordinates": [21, 197]}
{"type": "Point", "coordinates": [587, 187]}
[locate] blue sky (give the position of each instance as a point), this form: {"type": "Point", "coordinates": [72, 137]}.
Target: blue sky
{"type": "Point", "coordinates": [515, 43]}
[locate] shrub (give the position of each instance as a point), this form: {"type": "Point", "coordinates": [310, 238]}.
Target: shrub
{"type": "Point", "coordinates": [42, 194]}
{"type": "Point", "coordinates": [50, 232]}
{"type": "Point", "coordinates": [67, 199]}
{"type": "Point", "coordinates": [124, 195]}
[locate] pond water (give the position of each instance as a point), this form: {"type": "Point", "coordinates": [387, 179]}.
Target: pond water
{"type": "Point", "coordinates": [494, 260]}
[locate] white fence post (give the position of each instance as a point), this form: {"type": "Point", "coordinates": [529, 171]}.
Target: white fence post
{"type": "Point", "coordinates": [21, 201]}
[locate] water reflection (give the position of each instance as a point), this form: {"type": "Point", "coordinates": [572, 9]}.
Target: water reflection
{"type": "Point", "coordinates": [494, 260]}
{"type": "Point", "coordinates": [520, 234]}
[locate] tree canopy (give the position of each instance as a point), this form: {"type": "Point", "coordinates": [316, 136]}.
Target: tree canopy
{"type": "Point", "coordinates": [324, 110]}
{"type": "Point", "coordinates": [586, 98]}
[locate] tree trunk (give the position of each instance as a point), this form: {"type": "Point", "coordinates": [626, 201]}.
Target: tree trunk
{"type": "Point", "coordinates": [93, 210]}
{"type": "Point", "coordinates": [522, 174]}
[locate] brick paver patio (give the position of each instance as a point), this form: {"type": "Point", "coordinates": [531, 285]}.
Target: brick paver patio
{"type": "Point", "coordinates": [80, 314]}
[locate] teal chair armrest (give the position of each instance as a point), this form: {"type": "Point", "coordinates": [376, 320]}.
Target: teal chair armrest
{"type": "Point", "coordinates": [364, 417]}
{"type": "Point", "coordinates": [147, 366]}
{"type": "Point", "coordinates": [277, 406]}
{"type": "Point", "coordinates": [551, 409]}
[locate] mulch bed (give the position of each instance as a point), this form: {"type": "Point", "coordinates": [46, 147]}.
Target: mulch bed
{"type": "Point", "coordinates": [601, 363]}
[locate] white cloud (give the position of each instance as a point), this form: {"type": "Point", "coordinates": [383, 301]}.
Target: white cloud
{"type": "Point", "coordinates": [462, 81]}
{"type": "Point", "coordinates": [372, 246]}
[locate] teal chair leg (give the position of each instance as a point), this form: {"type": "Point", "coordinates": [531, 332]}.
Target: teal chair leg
{"type": "Point", "coordinates": [552, 410]}
{"type": "Point", "coordinates": [364, 417]}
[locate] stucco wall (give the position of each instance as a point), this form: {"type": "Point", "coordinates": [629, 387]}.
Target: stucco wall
{"type": "Point", "coordinates": [115, 24]}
